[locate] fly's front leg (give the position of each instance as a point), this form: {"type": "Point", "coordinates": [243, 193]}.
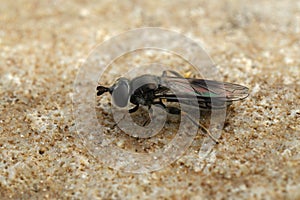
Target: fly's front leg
{"type": "Point", "coordinates": [134, 109]}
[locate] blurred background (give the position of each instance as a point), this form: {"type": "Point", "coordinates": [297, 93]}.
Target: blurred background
{"type": "Point", "coordinates": [253, 43]}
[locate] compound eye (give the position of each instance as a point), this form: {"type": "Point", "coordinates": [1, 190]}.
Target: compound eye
{"type": "Point", "coordinates": [121, 93]}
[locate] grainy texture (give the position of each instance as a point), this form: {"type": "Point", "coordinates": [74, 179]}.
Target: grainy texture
{"type": "Point", "coordinates": [255, 43]}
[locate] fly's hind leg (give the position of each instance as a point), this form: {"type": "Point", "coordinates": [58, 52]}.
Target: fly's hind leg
{"type": "Point", "coordinates": [148, 120]}
{"type": "Point", "coordinates": [177, 111]}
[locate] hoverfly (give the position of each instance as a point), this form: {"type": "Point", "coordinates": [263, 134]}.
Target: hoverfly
{"type": "Point", "coordinates": [148, 90]}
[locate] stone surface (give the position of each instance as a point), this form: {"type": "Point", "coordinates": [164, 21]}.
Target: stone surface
{"type": "Point", "coordinates": [254, 43]}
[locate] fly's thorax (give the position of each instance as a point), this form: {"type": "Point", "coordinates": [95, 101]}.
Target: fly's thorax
{"type": "Point", "coordinates": [145, 82]}
{"type": "Point", "coordinates": [143, 97]}
{"type": "Point", "coordinates": [142, 89]}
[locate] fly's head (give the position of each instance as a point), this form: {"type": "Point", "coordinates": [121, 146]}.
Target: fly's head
{"type": "Point", "coordinates": [120, 92]}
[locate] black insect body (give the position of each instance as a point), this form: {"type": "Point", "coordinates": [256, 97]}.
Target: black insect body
{"type": "Point", "coordinates": [148, 90]}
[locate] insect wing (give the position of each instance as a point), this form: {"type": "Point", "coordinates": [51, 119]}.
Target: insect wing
{"type": "Point", "coordinates": [204, 89]}
{"type": "Point", "coordinates": [217, 89]}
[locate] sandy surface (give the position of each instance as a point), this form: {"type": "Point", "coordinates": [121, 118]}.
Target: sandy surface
{"type": "Point", "coordinates": [254, 43]}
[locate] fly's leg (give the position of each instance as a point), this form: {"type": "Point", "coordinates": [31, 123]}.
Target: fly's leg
{"type": "Point", "coordinates": [132, 110]}
{"type": "Point", "coordinates": [118, 122]}
{"type": "Point", "coordinates": [176, 74]}
{"type": "Point", "coordinates": [148, 120]}
{"type": "Point", "coordinates": [204, 129]}
{"type": "Point", "coordinates": [177, 111]}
